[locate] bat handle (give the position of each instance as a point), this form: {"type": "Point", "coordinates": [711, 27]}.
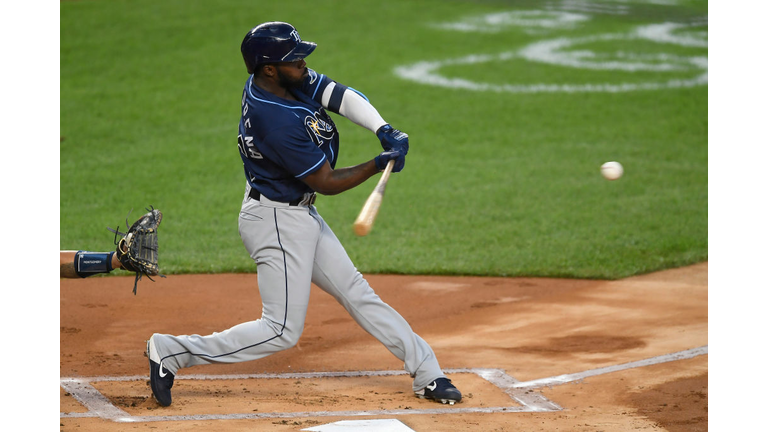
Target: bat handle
{"type": "Point", "coordinates": [387, 171]}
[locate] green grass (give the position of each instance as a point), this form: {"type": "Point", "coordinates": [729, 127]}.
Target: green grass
{"type": "Point", "coordinates": [495, 183]}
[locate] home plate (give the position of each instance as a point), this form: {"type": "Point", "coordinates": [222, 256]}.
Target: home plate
{"type": "Point", "coordinates": [387, 425]}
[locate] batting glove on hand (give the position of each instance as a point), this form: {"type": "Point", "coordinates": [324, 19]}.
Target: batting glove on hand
{"type": "Point", "coordinates": [393, 139]}
{"type": "Point", "coordinates": [382, 160]}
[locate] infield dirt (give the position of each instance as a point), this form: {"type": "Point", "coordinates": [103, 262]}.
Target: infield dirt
{"type": "Point", "coordinates": [531, 328]}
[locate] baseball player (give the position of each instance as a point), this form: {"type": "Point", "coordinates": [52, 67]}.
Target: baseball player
{"type": "Point", "coordinates": [289, 146]}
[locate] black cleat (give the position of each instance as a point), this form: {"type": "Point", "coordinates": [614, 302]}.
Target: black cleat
{"type": "Point", "coordinates": [440, 390]}
{"type": "Point", "coordinates": [160, 378]}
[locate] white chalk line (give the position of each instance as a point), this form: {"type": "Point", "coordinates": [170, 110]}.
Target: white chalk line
{"type": "Point", "coordinates": [99, 406]}
{"type": "Point", "coordinates": [563, 379]}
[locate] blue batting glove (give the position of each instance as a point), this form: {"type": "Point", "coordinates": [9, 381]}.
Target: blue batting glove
{"type": "Point", "coordinates": [393, 139]}
{"type": "Point", "coordinates": [382, 160]}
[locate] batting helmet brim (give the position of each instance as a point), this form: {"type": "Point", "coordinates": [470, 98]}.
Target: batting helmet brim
{"type": "Point", "coordinates": [303, 49]}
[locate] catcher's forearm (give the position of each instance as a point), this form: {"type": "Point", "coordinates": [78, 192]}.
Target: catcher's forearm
{"type": "Point", "coordinates": [67, 270]}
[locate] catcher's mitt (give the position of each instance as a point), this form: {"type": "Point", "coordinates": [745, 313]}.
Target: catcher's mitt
{"type": "Point", "coordinates": [137, 250]}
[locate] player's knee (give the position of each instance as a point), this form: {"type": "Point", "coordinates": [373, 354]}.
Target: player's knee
{"type": "Point", "coordinates": [289, 338]}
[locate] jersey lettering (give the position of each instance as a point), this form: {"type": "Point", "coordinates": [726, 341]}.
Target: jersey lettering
{"type": "Point", "coordinates": [245, 144]}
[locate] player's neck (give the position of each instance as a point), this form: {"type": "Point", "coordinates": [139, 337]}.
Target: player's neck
{"type": "Point", "coordinates": [273, 87]}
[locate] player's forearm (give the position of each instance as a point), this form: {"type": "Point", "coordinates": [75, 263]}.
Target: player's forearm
{"type": "Point", "coordinates": [67, 270]}
{"type": "Point", "coordinates": [332, 182]}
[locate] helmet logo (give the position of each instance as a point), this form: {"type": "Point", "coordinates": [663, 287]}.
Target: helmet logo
{"type": "Point", "coordinates": [295, 36]}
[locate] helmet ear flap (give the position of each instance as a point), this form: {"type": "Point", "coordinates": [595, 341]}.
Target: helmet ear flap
{"type": "Point", "coordinates": [250, 62]}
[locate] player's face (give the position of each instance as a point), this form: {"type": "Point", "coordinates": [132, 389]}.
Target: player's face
{"type": "Point", "coordinates": [292, 74]}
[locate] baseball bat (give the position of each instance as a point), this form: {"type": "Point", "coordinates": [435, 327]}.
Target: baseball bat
{"type": "Point", "coordinates": [364, 221]}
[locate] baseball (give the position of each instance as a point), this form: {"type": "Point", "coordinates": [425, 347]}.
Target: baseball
{"type": "Point", "coordinates": [611, 170]}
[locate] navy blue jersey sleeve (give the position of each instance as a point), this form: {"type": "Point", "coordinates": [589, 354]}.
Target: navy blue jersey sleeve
{"type": "Point", "coordinates": [293, 150]}
{"type": "Point", "coordinates": [315, 85]}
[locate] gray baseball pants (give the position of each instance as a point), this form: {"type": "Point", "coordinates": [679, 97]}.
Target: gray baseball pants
{"type": "Point", "coordinates": [294, 247]}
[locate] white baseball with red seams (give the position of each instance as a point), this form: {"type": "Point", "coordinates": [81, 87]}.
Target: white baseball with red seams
{"type": "Point", "coordinates": [612, 170]}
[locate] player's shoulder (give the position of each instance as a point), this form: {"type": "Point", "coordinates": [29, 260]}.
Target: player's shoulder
{"type": "Point", "coordinates": [314, 83]}
{"type": "Point", "coordinates": [313, 77]}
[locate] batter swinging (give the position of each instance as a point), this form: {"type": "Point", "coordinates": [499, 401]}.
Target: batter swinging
{"type": "Point", "coordinates": [289, 146]}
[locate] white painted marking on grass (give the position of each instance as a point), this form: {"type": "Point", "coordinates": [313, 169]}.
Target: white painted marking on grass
{"type": "Point", "coordinates": [658, 2]}
{"type": "Point", "coordinates": [665, 33]}
{"type": "Point", "coordinates": [383, 425]}
{"type": "Point", "coordinates": [425, 72]}
{"type": "Point", "coordinates": [554, 52]}
{"type": "Point", "coordinates": [585, 6]}
{"type": "Point", "coordinates": [500, 21]}
{"type": "Point", "coordinates": [562, 379]}
{"type": "Point", "coordinates": [564, 52]}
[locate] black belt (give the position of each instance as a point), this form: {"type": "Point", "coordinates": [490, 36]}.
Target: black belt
{"type": "Point", "coordinates": [254, 194]}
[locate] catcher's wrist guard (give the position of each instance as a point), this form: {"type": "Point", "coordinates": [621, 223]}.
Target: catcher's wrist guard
{"type": "Point", "coordinates": [91, 263]}
{"type": "Point", "coordinates": [137, 249]}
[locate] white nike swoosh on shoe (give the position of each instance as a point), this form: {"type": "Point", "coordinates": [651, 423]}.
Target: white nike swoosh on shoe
{"type": "Point", "coordinates": [162, 375]}
{"type": "Point", "coordinates": [432, 386]}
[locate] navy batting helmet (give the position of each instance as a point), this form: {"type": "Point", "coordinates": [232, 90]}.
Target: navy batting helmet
{"type": "Point", "coordinates": [273, 42]}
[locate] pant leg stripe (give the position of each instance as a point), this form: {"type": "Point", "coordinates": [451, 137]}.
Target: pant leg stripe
{"type": "Point", "coordinates": [285, 315]}
{"type": "Point", "coordinates": [285, 272]}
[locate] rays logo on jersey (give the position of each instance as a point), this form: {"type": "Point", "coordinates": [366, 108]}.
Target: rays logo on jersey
{"type": "Point", "coordinates": [320, 127]}
{"type": "Point", "coordinates": [312, 76]}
